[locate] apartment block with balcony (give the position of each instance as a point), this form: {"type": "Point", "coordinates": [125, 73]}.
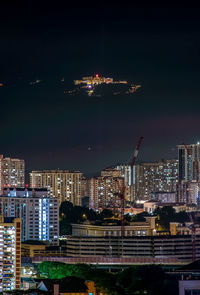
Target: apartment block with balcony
{"type": "Point", "coordinates": [10, 253]}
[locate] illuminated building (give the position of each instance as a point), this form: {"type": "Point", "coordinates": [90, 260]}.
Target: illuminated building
{"type": "Point", "coordinates": [189, 157]}
{"type": "Point", "coordinates": [126, 173]}
{"type": "Point", "coordinates": [150, 206]}
{"type": "Point", "coordinates": [177, 228]}
{"type": "Point", "coordinates": [129, 183]}
{"type": "Point", "coordinates": [12, 172]}
{"type": "Point", "coordinates": [84, 187]}
{"type": "Point", "coordinates": [155, 177]}
{"type": "Point", "coordinates": [111, 172]}
{"type": "Point", "coordinates": [64, 185]}
{"type": "Point", "coordinates": [10, 253]}
{"type": "Point", "coordinates": [38, 211]}
{"type": "Point", "coordinates": [103, 190]}
{"type": "Point", "coordinates": [189, 192]}
{"type": "Point", "coordinates": [165, 197]}
{"type": "Point", "coordinates": [90, 85]}
{"type": "Point", "coordinates": [145, 228]}
{"type": "Point", "coordinates": [94, 80]}
{"type": "Point", "coordinates": [93, 193]}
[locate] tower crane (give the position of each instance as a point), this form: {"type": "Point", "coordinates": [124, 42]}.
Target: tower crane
{"type": "Point", "coordinates": [121, 192]}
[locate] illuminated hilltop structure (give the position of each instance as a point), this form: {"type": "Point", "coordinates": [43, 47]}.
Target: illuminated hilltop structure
{"type": "Point", "coordinates": [93, 86]}
{"type": "Point", "coordinates": [97, 80]}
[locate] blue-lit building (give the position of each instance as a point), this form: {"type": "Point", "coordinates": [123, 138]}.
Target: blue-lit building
{"type": "Point", "coordinates": [39, 213]}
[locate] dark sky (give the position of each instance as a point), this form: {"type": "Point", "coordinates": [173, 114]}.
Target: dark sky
{"type": "Point", "coordinates": [156, 47]}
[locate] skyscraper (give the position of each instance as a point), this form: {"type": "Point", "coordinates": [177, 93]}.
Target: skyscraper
{"type": "Point", "coordinates": [12, 172]}
{"type": "Point", "coordinates": [10, 253]}
{"type": "Point", "coordinates": [63, 184]}
{"type": "Point", "coordinates": [129, 180]}
{"type": "Point", "coordinates": [161, 176]}
{"type": "Point", "coordinates": [189, 162]}
{"type": "Point", "coordinates": [103, 189]}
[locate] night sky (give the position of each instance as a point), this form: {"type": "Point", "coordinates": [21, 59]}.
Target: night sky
{"type": "Point", "coordinates": [158, 48]}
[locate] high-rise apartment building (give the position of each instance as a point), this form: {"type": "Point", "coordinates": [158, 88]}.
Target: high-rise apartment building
{"type": "Point", "coordinates": [103, 190]}
{"type": "Point", "coordinates": [161, 176]}
{"type": "Point", "coordinates": [189, 162]}
{"type": "Point", "coordinates": [126, 173]}
{"type": "Point", "coordinates": [10, 253]}
{"type": "Point", "coordinates": [64, 185]}
{"type": "Point", "coordinates": [188, 192]}
{"type": "Point", "coordinates": [129, 179]}
{"type": "Point", "coordinates": [39, 213]}
{"type": "Point", "coordinates": [12, 172]}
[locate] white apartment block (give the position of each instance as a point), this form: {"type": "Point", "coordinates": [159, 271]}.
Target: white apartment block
{"type": "Point", "coordinates": [38, 211]}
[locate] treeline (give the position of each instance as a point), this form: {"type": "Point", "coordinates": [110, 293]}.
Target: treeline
{"type": "Point", "coordinates": [77, 214]}
{"type": "Point", "coordinates": [151, 280]}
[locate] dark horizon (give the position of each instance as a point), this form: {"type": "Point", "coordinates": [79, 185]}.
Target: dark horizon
{"type": "Point", "coordinates": [156, 47]}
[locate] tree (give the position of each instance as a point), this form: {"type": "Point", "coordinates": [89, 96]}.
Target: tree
{"type": "Point", "coordinates": [106, 213]}
{"type": "Point", "coordinates": [168, 214]}
{"type": "Point", "coordinates": [58, 270]}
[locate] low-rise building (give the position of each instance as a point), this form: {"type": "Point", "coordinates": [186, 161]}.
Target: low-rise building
{"type": "Point", "coordinates": [150, 206]}
{"type": "Point", "coordinates": [164, 197]}
{"type": "Point", "coordinates": [189, 287]}
{"type": "Point", "coordinates": [65, 286]}
{"type": "Point", "coordinates": [177, 247]}
{"type": "Point", "coordinates": [177, 228]}
{"type": "Point", "coordinates": [146, 228]}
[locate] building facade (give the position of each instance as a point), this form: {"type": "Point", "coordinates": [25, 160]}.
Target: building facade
{"type": "Point", "coordinates": [39, 213]}
{"type": "Point", "coordinates": [129, 178]}
{"type": "Point", "coordinates": [12, 173]}
{"type": "Point", "coordinates": [165, 197]}
{"type": "Point", "coordinates": [144, 247]}
{"type": "Point", "coordinates": [189, 192]}
{"type": "Point", "coordinates": [104, 190]}
{"type": "Point", "coordinates": [161, 176]}
{"type": "Point", "coordinates": [146, 228]}
{"type": "Point", "coordinates": [64, 185]}
{"type": "Point", "coordinates": [189, 162]}
{"type": "Point", "coordinates": [10, 253]}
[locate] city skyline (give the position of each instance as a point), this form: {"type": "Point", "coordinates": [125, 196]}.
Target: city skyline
{"type": "Point", "coordinates": [99, 148]}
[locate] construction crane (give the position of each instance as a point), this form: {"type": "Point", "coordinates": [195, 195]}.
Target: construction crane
{"type": "Point", "coordinates": [122, 190]}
